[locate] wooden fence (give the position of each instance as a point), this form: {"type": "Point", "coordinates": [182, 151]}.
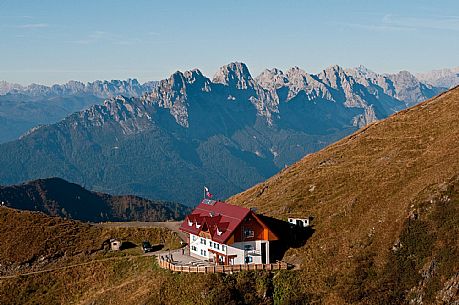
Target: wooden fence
{"type": "Point", "coordinates": [221, 268]}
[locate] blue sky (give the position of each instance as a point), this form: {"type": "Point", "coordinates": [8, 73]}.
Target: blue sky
{"type": "Point", "coordinates": [55, 41]}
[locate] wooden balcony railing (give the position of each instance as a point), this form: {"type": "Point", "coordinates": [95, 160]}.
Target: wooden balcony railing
{"type": "Point", "coordinates": [222, 268]}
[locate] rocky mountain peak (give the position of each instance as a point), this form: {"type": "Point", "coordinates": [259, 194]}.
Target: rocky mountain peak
{"type": "Point", "coordinates": [362, 71]}
{"type": "Point", "coordinates": [176, 82]}
{"type": "Point", "coordinates": [334, 69]}
{"type": "Point", "coordinates": [171, 94]}
{"type": "Point", "coordinates": [409, 89]}
{"type": "Point", "coordinates": [296, 72]}
{"type": "Point", "coordinates": [272, 79]}
{"type": "Point", "coordinates": [405, 75]}
{"type": "Point", "coordinates": [335, 72]}
{"type": "Point", "coordinates": [193, 75]}
{"type": "Point", "coordinates": [234, 74]}
{"type": "Point", "coordinates": [196, 78]}
{"type": "Point", "coordinates": [404, 79]}
{"type": "Point", "coordinates": [299, 80]}
{"type": "Point", "coordinates": [6, 87]}
{"type": "Point", "coordinates": [333, 76]}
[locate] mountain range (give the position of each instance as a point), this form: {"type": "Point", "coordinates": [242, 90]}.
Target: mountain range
{"type": "Point", "coordinates": [102, 89]}
{"type": "Point", "coordinates": [448, 78]}
{"type": "Point", "coordinates": [228, 132]}
{"type": "Point", "coordinates": [384, 204]}
{"type": "Point", "coordinates": [57, 197]}
{"type": "Point", "coordinates": [26, 107]}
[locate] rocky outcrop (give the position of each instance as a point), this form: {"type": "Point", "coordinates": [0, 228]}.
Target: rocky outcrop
{"type": "Point", "coordinates": [449, 294]}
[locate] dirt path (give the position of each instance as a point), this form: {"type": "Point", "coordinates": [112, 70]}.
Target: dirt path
{"type": "Point", "coordinates": [75, 265]}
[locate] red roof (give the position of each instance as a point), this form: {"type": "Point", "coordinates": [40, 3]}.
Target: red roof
{"type": "Point", "coordinates": [220, 218]}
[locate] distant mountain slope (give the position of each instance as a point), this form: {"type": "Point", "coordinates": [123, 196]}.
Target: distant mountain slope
{"type": "Point", "coordinates": [19, 113]}
{"type": "Point", "coordinates": [441, 78]}
{"type": "Point", "coordinates": [98, 88]}
{"type": "Point", "coordinates": [385, 205]}
{"type": "Point", "coordinates": [57, 197]}
{"type": "Point", "coordinates": [23, 108]}
{"type": "Point", "coordinates": [227, 133]}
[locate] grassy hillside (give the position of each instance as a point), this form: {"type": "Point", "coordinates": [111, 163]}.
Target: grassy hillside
{"type": "Point", "coordinates": [33, 241]}
{"type": "Point", "coordinates": [372, 193]}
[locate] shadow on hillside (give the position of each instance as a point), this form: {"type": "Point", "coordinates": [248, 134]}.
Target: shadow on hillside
{"type": "Point", "coordinates": [157, 247]}
{"type": "Point", "coordinates": [290, 236]}
{"type": "Point", "coordinates": [127, 245]}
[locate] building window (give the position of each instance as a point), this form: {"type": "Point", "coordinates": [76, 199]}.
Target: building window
{"type": "Point", "coordinates": [194, 237]}
{"type": "Point", "coordinates": [248, 259]}
{"type": "Point", "coordinates": [203, 241]}
{"type": "Point", "coordinates": [248, 233]}
{"type": "Point", "coordinates": [193, 248]}
{"type": "Point", "coordinates": [217, 246]}
{"type": "Point", "coordinates": [247, 247]}
{"type": "Point", "coordinates": [223, 247]}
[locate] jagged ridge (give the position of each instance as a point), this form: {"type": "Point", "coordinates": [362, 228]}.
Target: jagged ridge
{"type": "Point", "coordinates": [227, 133]}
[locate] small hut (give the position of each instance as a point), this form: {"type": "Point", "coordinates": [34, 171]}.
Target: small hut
{"type": "Point", "coordinates": [115, 244]}
{"type": "Point", "coordinates": [301, 222]}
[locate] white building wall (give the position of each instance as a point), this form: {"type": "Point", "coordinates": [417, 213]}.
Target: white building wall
{"type": "Point", "coordinates": [199, 248]}
{"type": "Point", "coordinates": [239, 259]}
{"type": "Point", "coordinates": [252, 249]}
{"type": "Point", "coordinates": [303, 222]}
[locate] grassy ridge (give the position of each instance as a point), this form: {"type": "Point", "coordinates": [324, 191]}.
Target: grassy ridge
{"type": "Point", "coordinates": [33, 240]}
{"type": "Point", "coordinates": [361, 190]}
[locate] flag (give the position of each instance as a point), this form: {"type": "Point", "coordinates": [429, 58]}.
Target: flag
{"type": "Point", "coordinates": [207, 194]}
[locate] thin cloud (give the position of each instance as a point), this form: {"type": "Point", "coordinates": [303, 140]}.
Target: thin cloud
{"type": "Point", "coordinates": [105, 37]}
{"type": "Point", "coordinates": [450, 23]}
{"type": "Point", "coordinates": [378, 27]}
{"type": "Point", "coordinates": [405, 23]}
{"type": "Point", "coordinates": [94, 37]}
{"type": "Point", "coordinates": [33, 26]}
